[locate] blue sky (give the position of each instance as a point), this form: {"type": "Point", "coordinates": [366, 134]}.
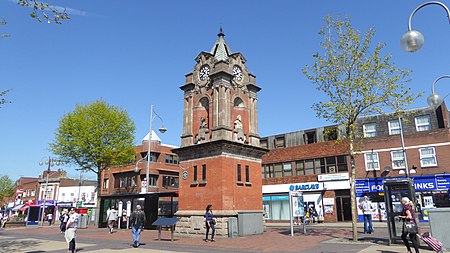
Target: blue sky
{"type": "Point", "coordinates": [135, 53]}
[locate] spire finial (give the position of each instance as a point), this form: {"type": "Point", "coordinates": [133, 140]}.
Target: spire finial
{"type": "Point", "coordinates": [220, 34]}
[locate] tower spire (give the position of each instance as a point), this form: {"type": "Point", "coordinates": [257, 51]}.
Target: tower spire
{"type": "Point", "coordinates": [220, 50]}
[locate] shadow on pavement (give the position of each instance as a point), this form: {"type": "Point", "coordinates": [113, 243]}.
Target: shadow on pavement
{"type": "Point", "coordinates": [22, 245]}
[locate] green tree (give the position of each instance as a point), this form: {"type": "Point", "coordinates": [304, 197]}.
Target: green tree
{"type": "Point", "coordinates": [94, 137]}
{"type": "Point", "coordinates": [358, 80]}
{"type": "Point", "coordinates": [6, 187]}
{"type": "Point", "coordinates": [45, 11]}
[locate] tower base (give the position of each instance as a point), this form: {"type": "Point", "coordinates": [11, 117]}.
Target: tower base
{"type": "Point", "coordinates": [229, 223]}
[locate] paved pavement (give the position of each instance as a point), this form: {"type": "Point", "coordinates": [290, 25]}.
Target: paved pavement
{"type": "Point", "coordinates": [320, 238]}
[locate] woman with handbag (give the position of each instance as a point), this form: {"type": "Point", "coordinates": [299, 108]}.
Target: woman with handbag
{"type": "Point", "coordinates": [409, 224]}
{"type": "Point", "coordinates": [210, 223]}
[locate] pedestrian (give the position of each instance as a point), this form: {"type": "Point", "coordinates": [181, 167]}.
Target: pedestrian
{"type": "Point", "coordinates": [63, 219]}
{"type": "Point", "coordinates": [49, 218]}
{"type": "Point", "coordinates": [71, 229]}
{"type": "Point", "coordinates": [137, 221]}
{"type": "Point", "coordinates": [312, 213]}
{"type": "Point", "coordinates": [111, 215]}
{"type": "Point", "coordinates": [409, 215]}
{"type": "Point", "coordinates": [366, 208]}
{"type": "Point", "coordinates": [320, 214]}
{"type": "Point", "coordinates": [210, 223]}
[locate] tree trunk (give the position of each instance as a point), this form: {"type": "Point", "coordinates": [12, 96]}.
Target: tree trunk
{"type": "Point", "coordinates": [353, 192]}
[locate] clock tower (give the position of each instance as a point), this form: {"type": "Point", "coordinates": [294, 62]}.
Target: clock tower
{"type": "Point", "coordinates": [220, 154]}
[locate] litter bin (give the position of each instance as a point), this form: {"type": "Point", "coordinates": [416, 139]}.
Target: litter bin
{"type": "Point", "coordinates": [233, 227]}
{"type": "Point", "coordinates": [82, 222]}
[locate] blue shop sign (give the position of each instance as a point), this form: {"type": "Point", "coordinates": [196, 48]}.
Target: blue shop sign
{"type": "Point", "coordinates": [280, 198]}
{"type": "Point", "coordinates": [306, 187]}
{"type": "Point", "coordinates": [421, 183]}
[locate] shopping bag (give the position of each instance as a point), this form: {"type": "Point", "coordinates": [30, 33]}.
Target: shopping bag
{"type": "Point", "coordinates": [431, 241]}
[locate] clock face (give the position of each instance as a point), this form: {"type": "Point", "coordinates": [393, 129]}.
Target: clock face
{"type": "Point", "coordinates": [204, 72]}
{"type": "Point", "coordinates": [237, 73]}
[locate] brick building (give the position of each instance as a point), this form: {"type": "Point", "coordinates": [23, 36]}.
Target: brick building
{"type": "Point", "coordinates": [312, 160]}
{"type": "Point", "coordinates": [127, 183]}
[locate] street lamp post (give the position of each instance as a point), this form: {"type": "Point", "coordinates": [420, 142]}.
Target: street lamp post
{"type": "Point", "coordinates": [413, 40]}
{"type": "Point", "coordinates": [162, 129]}
{"type": "Point", "coordinates": [50, 162]}
{"type": "Point", "coordinates": [434, 100]}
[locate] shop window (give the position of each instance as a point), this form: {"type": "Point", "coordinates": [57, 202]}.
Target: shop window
{"type": "Point", "coordinates": [309, 167]}
{"type": "Point", "coordinates": [398, 159]}
{"type": "Point", "coordinates": [299, 168]}
{"type": "Point", "coordinates": [423, 123]}
{"type": "Point", "coordinates": [370, 130]}
{"type": "Point", "coordinates": [287, 169]}
{"type": "Point", "coordinates": [372, 162]}
{"type": "Point", "coordinates": [394, 127]}
{"type": "Point", "coordinates": [239, 176]}
{"type": "Point", "coordinates": [427, 157]}
{"type": "Point", "coordinates": [278, 170]}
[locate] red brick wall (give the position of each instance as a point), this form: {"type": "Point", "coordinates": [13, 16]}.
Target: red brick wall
{"type": "Point", "coordinates": [221, 189]}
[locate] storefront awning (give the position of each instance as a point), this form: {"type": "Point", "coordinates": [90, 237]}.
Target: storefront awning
{"type": "Point", "coordinates": [16, 208]}
{"type": "Point", "coordinates": [23, 208]}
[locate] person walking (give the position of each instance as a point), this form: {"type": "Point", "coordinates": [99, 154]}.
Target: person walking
{"type": "Point", "coordinates": [71, 229]}
{"type": "Point", "coordinates": [49, 218]}
{"type": "Point", "coordinates": [409, 215]}
{"type": "Point", "coordinates": [366, 207]}
{"type": "Point", "coordinates": [210, 223]}
{"type": "Point", "coordinates": [63, 219]}
{"type": "Point", "coordinates": [320, 214]}
{"type": "Point", "coordinates": [111, 215]}
{"type": "Point", "coordinates": [137, 221]}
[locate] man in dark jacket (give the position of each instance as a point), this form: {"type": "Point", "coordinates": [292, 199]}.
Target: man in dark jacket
{"type": "Point", "coordinates": [137, 221]}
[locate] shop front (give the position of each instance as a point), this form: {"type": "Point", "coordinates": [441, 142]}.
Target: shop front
{"type": "Point", "coordinates": [319, 195]}
{"type": "Point", "coordinates": [432, 191]}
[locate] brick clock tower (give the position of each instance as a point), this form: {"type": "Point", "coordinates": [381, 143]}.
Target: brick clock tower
{"type": "Point", "coordinates": [220, 155]}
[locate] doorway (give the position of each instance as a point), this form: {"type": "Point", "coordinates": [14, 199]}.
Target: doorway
{"type": "Point", "coordinates": [343, 206]}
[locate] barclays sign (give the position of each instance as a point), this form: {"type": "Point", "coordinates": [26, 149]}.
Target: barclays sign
{"type": "Point", "coordinates": [306, 187]}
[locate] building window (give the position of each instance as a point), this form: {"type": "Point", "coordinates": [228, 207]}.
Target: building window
{"type": "Point", "coordinates": [310, 137]}
{"type": "Point", "coordinates": [203, 172]}
{"type": "Point", "coordinates": [126, 181]}
{"type": "Point", "coordinates": [394, 127]}
{"type": "Point", "coordinates": [309, 167]}
{"type": "Point", "coordinates": [279, 142]}
{"type": "Point", "coordinates": [423, 123]}
{"type": "Point", "coordinates": [342, 163]}
{"type": "Point", "coordinates": [239, 176]}
{"type": "Point", "coordinates": [247, 174]}
{"type": "Point", "coordinates": [171, 159]}
{"type": "Point", "coordinates": [170, 181]}
{"type": "Point", "coordinates": [427, 157]}
{"type": "Point", "coordinates": [287, 169]}
{"type": "Point", "coordinates": [330, 134]}
{"type": "Point", "coordinates": [319, 164]}
{"type": "Point", "coordinates": [105, 183]}
{"type": "Point", "coordinates": [195, 173]}
{"type": "Point", "coordinates": [300, 168]}
{"type": "Point", "coordinates": [370, 129]}
{"type": "Point", "coordinates": [268, 171]}
{"type": "Point", "coordinates": [331, 165]}
{"type": "Point", "coordinates": [372, 162]}
{"type": "Point", "coordinates": [398, 159]}
{"type": "Point", "coordinates": [263, 144]}
{"type": "Point", "coordinates": [152, 178]}
{"type": "Point", "coordinates": [278, 170]}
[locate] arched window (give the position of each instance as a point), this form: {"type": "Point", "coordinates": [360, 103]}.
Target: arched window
{"type": "Point", "coordinates": [238, 102]}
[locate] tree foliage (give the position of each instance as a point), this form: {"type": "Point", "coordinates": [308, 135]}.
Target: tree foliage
{"type": "Point", "coordinates": [45, 11]}
{"type": "Point", "coordinates": [2, 94]}
{"type": "Point", "coordinates": [6, 187]}
{"type": "Point", "coordinates": [357, 79]}
{"type": "Point", "coordinates": [95, 136]}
